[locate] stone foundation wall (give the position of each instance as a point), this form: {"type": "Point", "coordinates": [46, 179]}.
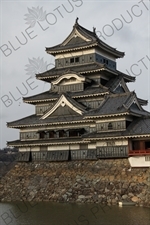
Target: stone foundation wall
{"type": "Point", "coordinates": [102, 181]}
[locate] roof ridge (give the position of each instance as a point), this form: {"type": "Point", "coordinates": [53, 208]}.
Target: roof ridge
{"type": "Point", "coordinates": [74, 101]}
{"type": "Point", "coordinates": [120, 94]}
{"type": "Point", "coordinates": [84, 29]}
{"type": "Point", "coordinates": [94, 35]}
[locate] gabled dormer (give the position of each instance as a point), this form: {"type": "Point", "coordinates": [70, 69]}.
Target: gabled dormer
{"type": "Point", "coordinates": [132, 103]}
{"type": "Point", "coordinates": [65, 106]}
{"type": "Point", "coordinates": [71, 82]}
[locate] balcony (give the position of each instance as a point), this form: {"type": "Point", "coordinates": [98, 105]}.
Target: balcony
{"type": "Point", "coordinates": [139, 152]}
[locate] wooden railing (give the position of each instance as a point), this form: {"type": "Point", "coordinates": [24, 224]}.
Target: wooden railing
{"type": "Point", "coordinates": [139, 152]}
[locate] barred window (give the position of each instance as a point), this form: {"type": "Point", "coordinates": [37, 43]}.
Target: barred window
{"type": "Point", "coordinates": [110, 126]}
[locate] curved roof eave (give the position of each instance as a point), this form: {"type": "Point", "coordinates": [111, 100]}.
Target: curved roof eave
{"type": "Point", "coordinates": [91, 40]}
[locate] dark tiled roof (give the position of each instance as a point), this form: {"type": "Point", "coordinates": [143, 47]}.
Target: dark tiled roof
{"type": "Point", "coordinates": [75, 103]}
{"type": "Point", "coordinates": [42, 96]}
{"type": "Point", "coordinates": [72, 101]}
{"type": "Point", "coordinates": [50, 141]}
{"type": "Point", "coordinates": [35, 120]}
{"type": "Point", "coordinates": [82, 69]}
{"type": "Point", "coordinates": [73, 46]}
{"type": "Point", "coordinates": [113, 82]}
{"type": "Point", "coordinates": [79, 43]}
{"type": "Point", "coordinates": [112, 105]}
{"type": "Point", "coordinates": [48, 95]}
{"type": "Point", "coordinates": [116, 104]}
{"type": "Point", "coordinates": [127, 78]}
{"type": "Point", "coordinates": [139, 112]}
{"type": "Point", "coordinates": [139, 126]}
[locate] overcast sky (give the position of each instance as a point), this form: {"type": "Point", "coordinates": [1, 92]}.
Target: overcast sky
{"type": "Point", "coordinates": [124, 25]}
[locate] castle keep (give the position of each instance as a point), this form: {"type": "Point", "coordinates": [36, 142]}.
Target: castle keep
{"type": "Point", "coordinates": [89, 113]}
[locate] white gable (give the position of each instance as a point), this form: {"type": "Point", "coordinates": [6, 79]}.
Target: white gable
{"type": "Point", "coordinates": [75, 33]}
{"type": "Point", "coordinates": [77, 79]}
{"type": "Point", "coordinates": [63, 101]}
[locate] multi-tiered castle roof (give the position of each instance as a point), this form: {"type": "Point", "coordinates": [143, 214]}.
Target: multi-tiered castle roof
{"type": "Point", "coordinates": [89, 112]}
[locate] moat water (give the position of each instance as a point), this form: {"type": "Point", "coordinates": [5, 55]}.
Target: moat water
{"type": "Point", "coordinates": [45, 213]}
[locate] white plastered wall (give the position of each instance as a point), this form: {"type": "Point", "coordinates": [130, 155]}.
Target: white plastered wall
{"type": "Point", "coordinates": [92, 146]}
{"type": "Point", "coordinates": [116, 143]}
{"type": "Point", "coordinates": [58, 147]}
{"type": "Point", "coordinates": [28, 149]}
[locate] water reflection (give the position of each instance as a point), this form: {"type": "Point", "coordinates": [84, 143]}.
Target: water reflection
{"type": "Point", "coordinates": [45, 213]}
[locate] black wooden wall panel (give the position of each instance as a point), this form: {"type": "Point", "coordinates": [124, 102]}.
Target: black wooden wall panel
{"type": "Point", "coordinates": [83, 154]}
{"type": "Point", "coordinates": [58, 155]}
{"type": "Point", "coordinates": [39, 156]}
{"type": "Point", "coordinates": [112, 152]}
{"type": "Point", "coordinates": [23, 156]}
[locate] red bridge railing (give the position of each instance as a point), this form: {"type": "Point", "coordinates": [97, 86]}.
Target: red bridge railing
{"type": "Point", "coordinates": [139, 152]}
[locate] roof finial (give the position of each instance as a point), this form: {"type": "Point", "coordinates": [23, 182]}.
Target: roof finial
{"type": "Point", "coordinates": [77, 20]}
{"type": "Point", "coordinates": [94, 30]}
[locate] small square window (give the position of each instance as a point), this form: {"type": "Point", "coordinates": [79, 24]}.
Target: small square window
{"type": "Point", "coordinates": [77, 59]}
{"type": "Point", "coordinates": [72, 60]}
{"type": "Point", "coordinates": [105, 61]}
